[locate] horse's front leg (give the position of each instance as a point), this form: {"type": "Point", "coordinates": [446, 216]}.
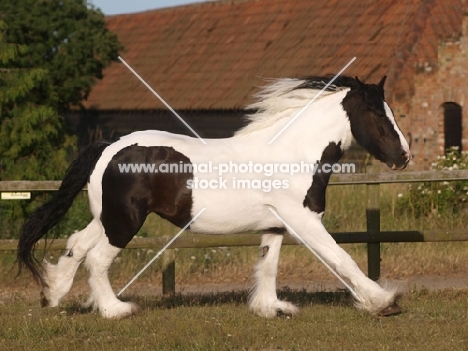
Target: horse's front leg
{"type": "Point", "coordinates": [263, 300]}
{"type": "Point", "coordinates": [370, 296]}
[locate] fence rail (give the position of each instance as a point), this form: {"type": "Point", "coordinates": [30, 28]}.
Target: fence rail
{"type": "Point", "coordinates": [336, 179]}
{"type": "Point", "coordinates": [373, 236]}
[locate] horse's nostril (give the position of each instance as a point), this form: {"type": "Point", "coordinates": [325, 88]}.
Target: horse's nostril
{"type": "Point", "coordinates": [407, 155]}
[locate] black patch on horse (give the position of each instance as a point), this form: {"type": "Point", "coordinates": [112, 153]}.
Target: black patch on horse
{"type": "Point", "coordinates": [315, 198]}
{"type": "Point", "coordinates": [320, 82]}
{"type": "Point", "coordinates": [128, 197]}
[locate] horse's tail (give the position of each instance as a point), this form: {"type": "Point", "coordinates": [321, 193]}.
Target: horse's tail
{"type": "Point", "coordinates": [49, 214]}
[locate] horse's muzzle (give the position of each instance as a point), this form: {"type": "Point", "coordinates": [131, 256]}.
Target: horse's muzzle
{"type": "Point", "coordinates": [406, 157]}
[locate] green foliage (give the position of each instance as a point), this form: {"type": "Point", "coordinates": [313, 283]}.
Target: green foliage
{"type": "Point", "coordinates": [439, 198]}
{"type": "Point", "coordinates": [51, 53]}
{"type": "Point", "coordinates": [65, 38]}
{"type": "Point", "coordinates": [29, 132]}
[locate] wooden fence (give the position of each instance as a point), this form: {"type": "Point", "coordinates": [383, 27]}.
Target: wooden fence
{"type": "Point", "coordinates": [372, 237]}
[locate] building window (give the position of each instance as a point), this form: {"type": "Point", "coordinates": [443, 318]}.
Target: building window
{"type": "Point", "coordinates": [452, 125]}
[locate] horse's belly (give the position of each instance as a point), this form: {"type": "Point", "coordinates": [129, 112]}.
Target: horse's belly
{"type": "Point", "coordinates": [231, 212]}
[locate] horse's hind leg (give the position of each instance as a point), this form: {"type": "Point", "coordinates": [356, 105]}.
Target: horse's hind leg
{"type": "Point", "coordinates": [263, 300]}
{"type": "Point", "coordinates": [58, 278]}
{"type": "Point", "coordinates": [102, 297]}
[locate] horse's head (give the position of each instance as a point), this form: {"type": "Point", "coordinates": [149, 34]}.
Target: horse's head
{"type": "Point", "coordinates": [373, 124]}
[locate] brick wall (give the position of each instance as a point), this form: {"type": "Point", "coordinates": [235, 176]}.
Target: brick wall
{"type": "Point", "coordinates": [420, 113]}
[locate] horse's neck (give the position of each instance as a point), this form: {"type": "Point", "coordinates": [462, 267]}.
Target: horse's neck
{"type": "Point", "coordinates": [310, 132]}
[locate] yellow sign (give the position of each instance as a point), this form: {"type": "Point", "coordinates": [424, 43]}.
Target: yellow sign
{"type": "Point", "coordinates": [16, 196]}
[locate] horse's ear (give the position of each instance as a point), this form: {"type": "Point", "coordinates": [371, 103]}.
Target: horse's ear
{"type": "Point", "coordinates": [382, 82]}
{"type": "Point", "coordinates": [359, 83]}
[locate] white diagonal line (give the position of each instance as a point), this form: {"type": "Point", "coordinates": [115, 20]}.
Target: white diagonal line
{"type": "Point", "coordinates": [162, 100]}
{"type": "Point", "coordinates": [311, 101]}
{"type": "Point", "coordinates": [288, 227]}
{"type": "Point", "coordinates": [161, 251]}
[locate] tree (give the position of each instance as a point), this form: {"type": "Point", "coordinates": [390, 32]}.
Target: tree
{"type": "Point", "coordinates": [51, 53]}
{"type": "Point", "coordinates": [65, 38]}
{"type": "Point", "coordinates": [29, 131]}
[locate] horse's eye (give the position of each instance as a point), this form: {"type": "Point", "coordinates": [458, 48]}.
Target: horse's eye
{"type": "Point", "coordinates": [381, 129]}
{"type": "Point", "coordinates": [381, 114]}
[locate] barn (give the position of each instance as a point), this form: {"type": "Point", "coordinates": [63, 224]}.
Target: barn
{"type": "Point", "coordinates": [208, 59]}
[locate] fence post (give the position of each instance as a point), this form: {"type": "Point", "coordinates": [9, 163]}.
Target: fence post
{"type": "Point", "coordinates": [168, 272]}
{"type": "Point", "coordinates": [373, 226]}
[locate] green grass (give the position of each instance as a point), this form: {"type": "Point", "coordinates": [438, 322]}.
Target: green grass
{"type": "Point", "coordinates": [328, 321]}
{"type": "Point", "coordinates": [346, 211]}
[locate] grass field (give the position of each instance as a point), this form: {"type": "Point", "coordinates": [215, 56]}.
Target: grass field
{"type": "Point", "coordinates": [434, 320]}
{"type": "Point", "coordinates": [328, 321]}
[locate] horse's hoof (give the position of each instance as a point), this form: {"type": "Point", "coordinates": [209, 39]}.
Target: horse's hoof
{"type": "Point", "coordinates": [280, 313]}
{"type": "Point", "coordinates": [391, 310]}
{"type": "Point", "coordinates": [44, 300]}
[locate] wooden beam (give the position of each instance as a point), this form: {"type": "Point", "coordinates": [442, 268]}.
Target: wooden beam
{"type": "Point", "coordinates": [190, 240]}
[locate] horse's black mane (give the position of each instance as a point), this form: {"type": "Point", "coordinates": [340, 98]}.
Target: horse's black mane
{"type": "Point", "coordinates": [319, 82]}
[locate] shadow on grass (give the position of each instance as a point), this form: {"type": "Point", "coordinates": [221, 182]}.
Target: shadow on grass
{"type": "Point", "coordinates": [300, 298]}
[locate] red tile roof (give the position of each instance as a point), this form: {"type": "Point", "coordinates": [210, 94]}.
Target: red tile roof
{"type": "Point", "coordinates": [211, 55]}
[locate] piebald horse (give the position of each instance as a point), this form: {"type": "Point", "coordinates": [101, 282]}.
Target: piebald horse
{"type": "Point", "coordinates": [207, 177]}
